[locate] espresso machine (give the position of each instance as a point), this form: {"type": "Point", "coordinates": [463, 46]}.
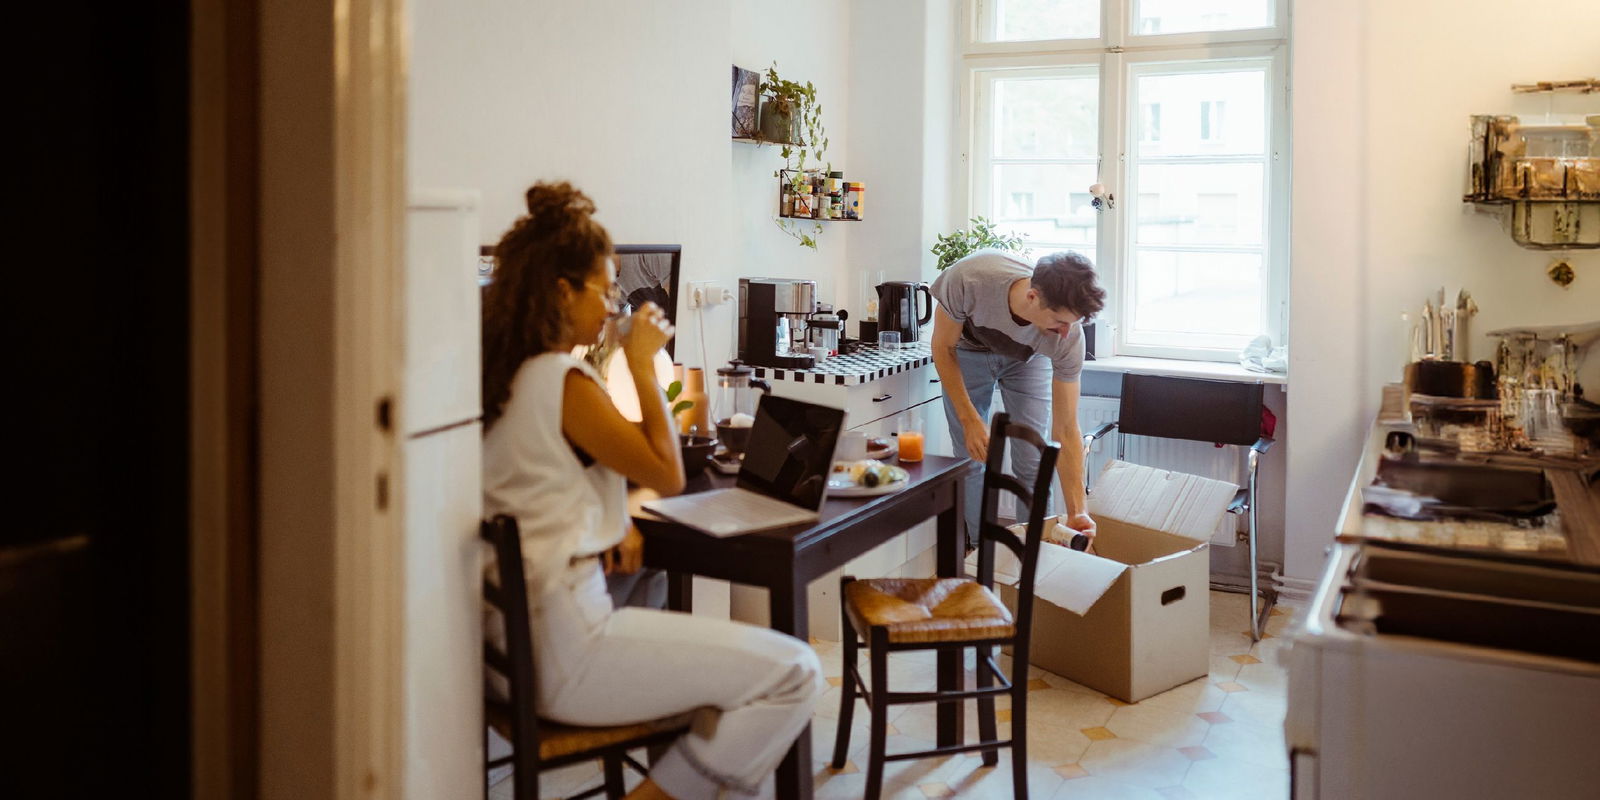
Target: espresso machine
{"type": "Point", "coordinates": [772, 321]}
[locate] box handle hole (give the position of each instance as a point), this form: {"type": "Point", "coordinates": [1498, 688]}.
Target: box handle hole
{"type": "Point", "coordinates": [1173, 595]}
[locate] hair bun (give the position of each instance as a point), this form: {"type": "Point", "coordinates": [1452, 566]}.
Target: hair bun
{"type": "Point", "coordinates": [555, 203]}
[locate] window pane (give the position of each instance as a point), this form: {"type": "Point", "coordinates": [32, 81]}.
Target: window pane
{"type": "Point", "coordinates": [1187, 16]}
{"type": "Point", "coordinates": [1199, 204]}
{"type": "Point", "coordinates": [1046, 203]}
{"type": "Point", "coordinates": [1046, 117]}
{"type": "Point", "coordinates": [1028, 20]}
{"type": "Point", "coordinates": [1202, 113]}
{"type": "Point", "coordinates": [1192, 294]}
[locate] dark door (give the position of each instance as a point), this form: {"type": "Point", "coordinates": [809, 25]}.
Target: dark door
{"type": "Point", "coordinates": [94, 582]}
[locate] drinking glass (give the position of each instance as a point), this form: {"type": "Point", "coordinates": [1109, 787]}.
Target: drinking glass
{"type": "Point", "coordinates": [889, 340]}
{"type": "Point", "coordinates": [911, 439]}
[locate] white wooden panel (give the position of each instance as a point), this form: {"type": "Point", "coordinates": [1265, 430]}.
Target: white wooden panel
{"type": "Point", "coordinates": [443, 628]}
{"type": "Point", "coordinates": [442, 310]}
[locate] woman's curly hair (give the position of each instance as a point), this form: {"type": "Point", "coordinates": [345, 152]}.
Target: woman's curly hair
{"type": "Point", "coordinates": [558, 240]}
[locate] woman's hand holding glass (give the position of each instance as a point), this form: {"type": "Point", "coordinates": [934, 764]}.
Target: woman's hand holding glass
{"type": "Point", "coordinates": [648, 330]}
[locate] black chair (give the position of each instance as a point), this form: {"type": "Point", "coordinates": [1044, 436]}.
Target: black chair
{"type": "Point", "coordinates": [1221, 412]}
{"type": "Point", "coordinates": [896, 614]}
{"type": "Point", "coordinates": [538, 745]}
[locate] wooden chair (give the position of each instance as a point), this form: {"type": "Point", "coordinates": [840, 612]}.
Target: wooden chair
{"type": "Point", "coordinates": [538, 745]}
{"type": "Point", "coordinates": [896, 614]}
{"type": "Point", "coordinates": [1199, 410]}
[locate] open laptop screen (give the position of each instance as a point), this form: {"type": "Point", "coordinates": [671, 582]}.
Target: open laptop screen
{"type": "Point", "coordinates": [790, 451]}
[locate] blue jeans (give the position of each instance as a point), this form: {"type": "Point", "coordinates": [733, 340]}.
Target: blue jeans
{"type": "Point", "coordinates": [1025, 390]}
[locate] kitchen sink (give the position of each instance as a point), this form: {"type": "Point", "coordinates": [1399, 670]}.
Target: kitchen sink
{"type": "Point", "coordinates": [1534, 609]}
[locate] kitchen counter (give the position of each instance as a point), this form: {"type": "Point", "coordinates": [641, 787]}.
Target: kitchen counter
{"type": "Point", "coordinates": [866, 365]}
{"type": "Point", "coordinates": [1568, 537]}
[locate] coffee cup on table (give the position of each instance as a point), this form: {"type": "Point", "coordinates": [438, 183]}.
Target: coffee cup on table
{"type": "Point", "coordinates": [852, 446]}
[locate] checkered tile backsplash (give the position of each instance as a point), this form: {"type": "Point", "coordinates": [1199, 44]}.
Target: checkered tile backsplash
{"type": "Point", "coordinates": [865, 365]}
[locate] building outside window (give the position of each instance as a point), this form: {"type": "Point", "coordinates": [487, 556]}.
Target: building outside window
{"type": "Point", "coordinates": [1194, 251]}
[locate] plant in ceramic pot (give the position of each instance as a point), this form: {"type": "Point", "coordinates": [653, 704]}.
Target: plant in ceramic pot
{"type": "Point", "coordinates": [953, 247]}
{"type": "Point", "coordinates": [791, 116]}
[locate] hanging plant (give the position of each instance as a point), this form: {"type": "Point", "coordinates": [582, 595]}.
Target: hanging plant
{"type": "Point", "coordinates": [792, 117]}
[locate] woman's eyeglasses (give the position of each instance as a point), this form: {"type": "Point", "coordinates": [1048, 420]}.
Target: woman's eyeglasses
{"type": "Point", "coordinates": [613, 296]}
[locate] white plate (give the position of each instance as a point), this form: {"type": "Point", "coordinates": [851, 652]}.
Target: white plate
{"type": "Point", "coordinates": [840, 485]}
{"type": "Point", "coordinates": [887, 452]}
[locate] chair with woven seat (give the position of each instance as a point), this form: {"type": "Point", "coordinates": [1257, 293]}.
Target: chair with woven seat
{"type": "Point", "coordinates": [538, 745]}
{"type": "Point", "coordinates": [900, 614]}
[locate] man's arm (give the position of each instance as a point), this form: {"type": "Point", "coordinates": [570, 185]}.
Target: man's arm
{"type": "Point", "coordinates": [1069, 465]}
{"type": "Point", "coordinates": [946, 333]}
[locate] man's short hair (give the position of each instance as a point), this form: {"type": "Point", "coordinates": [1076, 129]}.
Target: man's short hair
{"type": "Point", "coordinates": [1066, 280]}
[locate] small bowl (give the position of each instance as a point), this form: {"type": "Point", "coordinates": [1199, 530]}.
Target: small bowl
{"type": "Point", "coordinates": [696, 451]}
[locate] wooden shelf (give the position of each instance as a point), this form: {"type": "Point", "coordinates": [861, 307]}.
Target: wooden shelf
{"type": "Point", "coordinates": [820, 219]}
{"type": "Point", "coordinates": [765, 142]}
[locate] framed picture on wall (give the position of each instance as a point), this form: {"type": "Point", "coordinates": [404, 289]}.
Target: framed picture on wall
{"type": "Point", "coordinates": [745, 83]}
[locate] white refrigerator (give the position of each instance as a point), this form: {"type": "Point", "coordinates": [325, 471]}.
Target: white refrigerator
{"type": "Point", "coordinates": [440, 412]}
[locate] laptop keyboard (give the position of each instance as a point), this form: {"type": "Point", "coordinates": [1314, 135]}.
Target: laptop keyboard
{"type": "Point", "coordinates": [730, 511]}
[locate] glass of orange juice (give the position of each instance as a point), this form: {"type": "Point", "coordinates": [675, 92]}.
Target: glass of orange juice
{"type": "Point", "coordinates": [910, 437]}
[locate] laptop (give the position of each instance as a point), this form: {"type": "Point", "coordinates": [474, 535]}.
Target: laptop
{"type": "Point", "coordinates": [783, 479]}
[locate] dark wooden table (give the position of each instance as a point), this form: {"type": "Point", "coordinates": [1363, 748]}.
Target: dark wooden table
{"type": "Point", "coordinates": [786, 560]}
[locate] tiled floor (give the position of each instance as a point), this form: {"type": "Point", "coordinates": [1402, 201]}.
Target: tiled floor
{"type": "Point", "coordinates": [1217, 737]}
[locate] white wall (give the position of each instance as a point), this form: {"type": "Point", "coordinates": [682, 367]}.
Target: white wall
{"type": "Point", "coordinates": [1381, 95]}
{"type": "Point", "coordinates": [629, 101]}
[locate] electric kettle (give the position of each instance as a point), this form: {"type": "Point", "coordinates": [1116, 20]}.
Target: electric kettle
{"type": "Point", "coordinates": [897, 308]}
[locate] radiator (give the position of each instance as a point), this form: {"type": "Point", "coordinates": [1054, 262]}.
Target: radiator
{"type": "Point", "coordinates": [1195, 458]}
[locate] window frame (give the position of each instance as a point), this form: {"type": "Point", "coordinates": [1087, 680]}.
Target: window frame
{"type": "Point", "coordinates": [1114, 55]}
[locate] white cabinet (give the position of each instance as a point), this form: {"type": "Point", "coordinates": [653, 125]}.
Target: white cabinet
{"type": "Point", "coordinates": [874, 408]}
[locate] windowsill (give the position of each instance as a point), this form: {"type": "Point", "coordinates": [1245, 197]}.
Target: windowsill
{"type": "Point", "coordinates": [1214, 370]}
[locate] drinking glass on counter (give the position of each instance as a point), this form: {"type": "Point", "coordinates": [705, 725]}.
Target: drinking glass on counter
{"type": "Point", "coordinates": [911, 439]}
{"type": "Point", "coordinates": [889, 340]}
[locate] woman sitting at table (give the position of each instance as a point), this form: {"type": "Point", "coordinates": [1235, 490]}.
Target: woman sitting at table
{"type": "Point", "coordinates": [557, 455]}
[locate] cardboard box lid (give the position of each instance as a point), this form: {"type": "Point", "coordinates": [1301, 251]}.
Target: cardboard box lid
{"type": "Point", "coordinates": [1141, 499]}
{"type": "Point", "coordinates": [1162, 500]}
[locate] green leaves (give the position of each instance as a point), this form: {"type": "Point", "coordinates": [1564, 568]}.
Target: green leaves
{"type": "Point", "coordinates": [953, 247]}
{"type": "Point", "coordinates": [673, 390]}
{"type": "Point", "coordinates": [799, 100]}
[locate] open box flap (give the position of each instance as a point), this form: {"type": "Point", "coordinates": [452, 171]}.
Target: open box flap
{"type": "Point", "coordinates": [1171, 504]}
{"type": "Point", "coordinates": [1066, 577]}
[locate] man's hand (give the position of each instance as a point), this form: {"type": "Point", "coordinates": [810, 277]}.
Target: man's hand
{"type": "Point", "coordinates": [976, 435]}
{"type": "Point", "coordinates": [1082, 523]}
{"type": "Point", "coordinates": [626, 558]}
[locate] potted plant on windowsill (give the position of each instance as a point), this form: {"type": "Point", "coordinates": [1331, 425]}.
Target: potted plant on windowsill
{"type": "Point", "coordinates": [792, 117]}
{"type": "Point", "coordinates": [953, 247]}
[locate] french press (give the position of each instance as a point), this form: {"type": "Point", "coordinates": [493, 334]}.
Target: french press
{"type": "Point", "coordinates": [734, 404]}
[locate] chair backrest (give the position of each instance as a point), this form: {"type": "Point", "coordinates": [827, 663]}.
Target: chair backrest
{"type": "Point", "coordinates": [515, 662]}
{"type": "Point", "coordinates": [1227, 412]}
{"type": "Point", "coordinates": [1029, 499]}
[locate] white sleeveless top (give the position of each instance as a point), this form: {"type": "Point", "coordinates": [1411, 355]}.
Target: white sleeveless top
{"type": "Point", "coordinates": [530, 472]}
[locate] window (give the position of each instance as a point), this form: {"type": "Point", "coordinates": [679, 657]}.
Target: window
{"type": "Point", "coordinates": [1179, 108]}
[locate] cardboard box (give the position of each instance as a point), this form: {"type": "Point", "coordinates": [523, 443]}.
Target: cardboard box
{"type": "Point", "coordinates": [1133, 619]}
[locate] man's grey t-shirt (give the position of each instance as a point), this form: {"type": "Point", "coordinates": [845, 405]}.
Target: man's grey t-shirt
{"type": "Point", "coordinates": [975, 291]}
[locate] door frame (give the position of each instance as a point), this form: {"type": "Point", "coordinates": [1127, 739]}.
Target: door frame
{"type": "Point", "coordinates": [299, 121]}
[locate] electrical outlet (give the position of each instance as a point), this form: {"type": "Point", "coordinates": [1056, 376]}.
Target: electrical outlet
{"type": "Point", "coordinates": [707, 293]}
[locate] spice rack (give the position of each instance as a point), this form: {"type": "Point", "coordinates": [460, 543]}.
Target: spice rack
{"type": "Point", "coordinates": [816, 177]}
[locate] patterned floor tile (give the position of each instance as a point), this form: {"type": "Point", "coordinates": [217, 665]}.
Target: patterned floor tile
{"type": "Point", "coordinates": [1099, 734]}
{"type": "Point", "coordinates": [1064, 709]}
{"type": "Point", "coordinates": [1097, 788]}
{"type": "Point", "coordinates": [1195, 696]}
{"type": "Point", "coordinates": [1071, 771]}
{"type": "Point", "coordinates": [1137, 763]}
{"type": "Point", "coordinates": [1231, 687]}
{"type": "Point", "coordinates": [1214, 717]}
{"type": "Point", "coordinates": [1260, 745]}
{"type": "Point", "coordinates": [1228, 779]}
{"type": "Point", "coordinates": [1196, 753]}
{"type": "Point", "coordinates": [1158, 726]}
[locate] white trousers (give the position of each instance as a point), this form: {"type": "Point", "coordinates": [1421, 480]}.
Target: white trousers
{"type": "Point", "coordinates": [600, 666]}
